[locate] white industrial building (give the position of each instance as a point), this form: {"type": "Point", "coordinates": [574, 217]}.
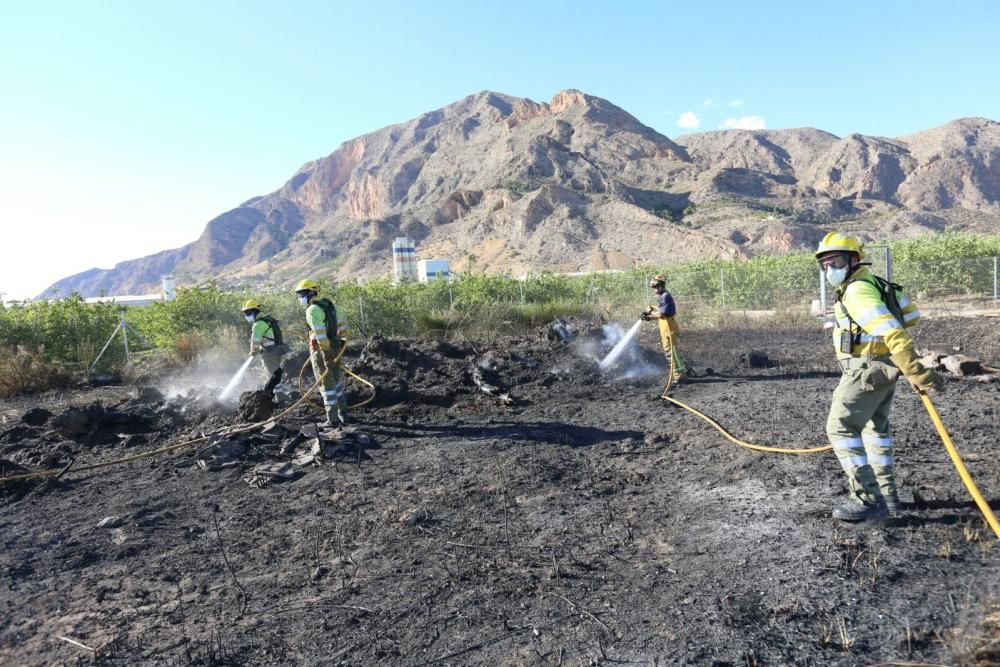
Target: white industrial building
{"type": "Point", "coordinates": [432, 269]}
{"type": "Point", "coordinates": [168, 292]}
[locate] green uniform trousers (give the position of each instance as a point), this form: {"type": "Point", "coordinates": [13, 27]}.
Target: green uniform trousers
{"type": "Point", "coordinates": [332, 390]}
{"type": "Point", "coordinates": [858, 426]}
{"type": "Point", "coordinates": [668, 338]}
{"type": "Point", "coordinates": [270, 358]}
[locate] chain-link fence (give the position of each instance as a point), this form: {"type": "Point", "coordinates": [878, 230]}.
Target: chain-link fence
{"type": "Point", "coordinates": [792, 284]}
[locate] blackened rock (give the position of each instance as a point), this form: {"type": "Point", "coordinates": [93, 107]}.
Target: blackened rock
{"type": "Point", "coordinates": [755, 359]}
{"type": "Point", "coordinates": [149, 395]}
{"type": "Point", "coordinates": [79, 421]}
{"type": "Point", "coordinates": [255, 406]}
{"type": "Point", "coordinates": [446, 349]}
{"type": "Point", "coordinates": [36, 416]}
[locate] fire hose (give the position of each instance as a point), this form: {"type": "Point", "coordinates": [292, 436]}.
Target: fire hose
{"type": "Point", "coordinates": [956, 459]}
{"type": "Point", "coordinates": [335, 360]}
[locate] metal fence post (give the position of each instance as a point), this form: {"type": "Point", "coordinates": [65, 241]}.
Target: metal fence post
{"type": "Point", "coordinates": [822, 292]}
{"type": "Point", "coordinates": [125, 337]}
{"type": "Point", "coordinates": [361, 316]}
{"type": "Point", "coordinates": [996, 292]}
{"type": "Point", "coordinates": [521, 287]}
{"type": "Point", "coordinates": [722, 286]}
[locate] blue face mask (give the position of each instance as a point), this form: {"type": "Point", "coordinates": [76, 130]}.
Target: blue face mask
{"type": "Point", "coordinates": [836, 276]}
{"type": "Point", "coordinates": [304, 299]}
{"type": "Point", "coordinates": [250, 317]}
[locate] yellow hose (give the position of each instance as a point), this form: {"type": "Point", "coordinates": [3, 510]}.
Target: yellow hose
{"type": "Point", "coordinates": [316, 406]}
{"type": "Point", "coordinates": [731, 438]}
{"type": "Point", "coordinates": [956, 459]}
{"type": "Point", "coordinates": [963, 472]}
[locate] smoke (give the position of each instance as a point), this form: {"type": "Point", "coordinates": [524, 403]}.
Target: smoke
{"type": "Point", "coordinates": [211, 372]}
{"type": "Point", "coordinates": [619, 363]}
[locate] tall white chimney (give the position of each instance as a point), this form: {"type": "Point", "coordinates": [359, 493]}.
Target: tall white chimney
{"type": "Point", "coordinates": [169, 292]}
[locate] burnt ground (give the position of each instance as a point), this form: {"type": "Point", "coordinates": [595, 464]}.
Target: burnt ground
{"type": "Point", "coordinates": [565, 517]}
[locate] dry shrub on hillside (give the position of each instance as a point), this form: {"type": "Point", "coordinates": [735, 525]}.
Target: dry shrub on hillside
{"type": "Point", "coordinates": [24, 369]}
{"type": "Point", "coordinates": [189, 346]}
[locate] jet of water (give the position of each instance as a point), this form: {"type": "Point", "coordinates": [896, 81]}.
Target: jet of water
{"type": "Point", "coordinates": [620, 346]}
{"type": "Point", "coordinates": [236, 380]}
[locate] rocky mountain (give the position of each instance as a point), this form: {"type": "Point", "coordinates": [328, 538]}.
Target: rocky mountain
{"type": "Point", "coordinates": [507, 184]}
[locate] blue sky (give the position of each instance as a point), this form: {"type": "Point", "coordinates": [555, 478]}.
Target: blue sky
{"type": "Point", "coordinates": [126, 126]}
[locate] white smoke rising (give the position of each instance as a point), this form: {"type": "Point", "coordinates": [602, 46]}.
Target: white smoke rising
{"type": "Point", "coordinates": [628, 362]}
{"type": "Point", "coordinates": [210, 374]}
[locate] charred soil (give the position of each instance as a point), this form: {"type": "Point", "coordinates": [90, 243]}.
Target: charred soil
{"type": "Point", "coordinates": [498, 503]}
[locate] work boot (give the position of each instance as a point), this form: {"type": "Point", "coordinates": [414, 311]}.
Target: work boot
{"type": "Point", "coordinates": [342, 419]}
{"type": "Point", "coordinates": [852, 511]}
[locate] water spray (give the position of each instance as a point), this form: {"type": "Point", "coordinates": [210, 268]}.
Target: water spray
{"type": "Point", "coordinates": [236, 380]}
{"type": "Point", "coordinates": [620, 346]}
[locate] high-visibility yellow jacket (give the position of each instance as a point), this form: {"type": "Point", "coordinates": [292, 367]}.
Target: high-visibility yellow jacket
{"type": "Point", "coordinates": [875, 331]}
{"type": "Point", "coordinates": [316, 319]}
{"type": "Point", "coordinates": [261, 335]}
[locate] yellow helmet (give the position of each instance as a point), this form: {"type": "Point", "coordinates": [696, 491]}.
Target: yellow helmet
{"type": "Point", "coordinates": [250, 304]}
{"type": "Point", "coordinates": [307, 284]}
{"type": "Point", "coordinates": [658, 279]}
{"type": "Point", "coordinates": [837, 242]}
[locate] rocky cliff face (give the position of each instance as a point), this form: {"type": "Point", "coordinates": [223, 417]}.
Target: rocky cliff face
{"type": "Point", "coordinates": [579, 184]}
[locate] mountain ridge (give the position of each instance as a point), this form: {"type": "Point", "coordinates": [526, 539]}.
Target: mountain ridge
{"type": "Point", "coordinates": [577, 183]}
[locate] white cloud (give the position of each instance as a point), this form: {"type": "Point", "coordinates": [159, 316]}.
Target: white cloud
{"type": "Point", "coordinates": [708, 102]}
{"type": "Point", "coordinates": [744, 123]}
{"type": "Point", "coordinates": [736, 103]}
{"type": "Point", "coordinates": [688, 120]}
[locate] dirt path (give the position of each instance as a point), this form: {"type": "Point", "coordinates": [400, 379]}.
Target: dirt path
{"type": "Point", "coordinates": [588, 522]}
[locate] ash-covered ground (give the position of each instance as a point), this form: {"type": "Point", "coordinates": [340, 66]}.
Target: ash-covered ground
{"type": "Point", "coordinates": [502, 502]}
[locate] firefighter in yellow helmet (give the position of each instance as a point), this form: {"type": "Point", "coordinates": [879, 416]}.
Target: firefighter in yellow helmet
{"type": "Point", "coordinates": [664, 312]}
{"type": "Point", "coordinates": [873, 348]}
{"type": "Point", "coordinates": [324, 346]}
{"type": "Point", "coordinates": [265, 341]}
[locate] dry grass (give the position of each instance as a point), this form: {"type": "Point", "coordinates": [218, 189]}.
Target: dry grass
{"type": "Point", "coordinates": [24, 369]}
{"type": "Point", "coordinates": [189, 346]}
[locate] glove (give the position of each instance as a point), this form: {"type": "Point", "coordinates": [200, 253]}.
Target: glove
{"type": "Point", "coordinates": [324, 344]}
{"type": "Point", "coordinates": [644, 316]}
{"type": "Point", "coordinates": [923, 379]}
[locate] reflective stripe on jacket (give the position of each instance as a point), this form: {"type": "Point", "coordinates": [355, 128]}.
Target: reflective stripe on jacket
{"type": "Point", "coordinates": [877, 332]}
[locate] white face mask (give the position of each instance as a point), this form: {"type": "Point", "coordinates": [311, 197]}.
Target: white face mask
{"type": "Point", "coordinates": [250, 318]}
{"type": "Point", "coordinates": [836, 276]}
{"type": "Point", "coordinates": [304, 299]}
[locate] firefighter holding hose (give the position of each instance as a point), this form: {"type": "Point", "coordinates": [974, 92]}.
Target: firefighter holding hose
{"type": "Point", "coordinates": [265, 341]}
{"type": "Point", "coordinates": [664, 312]}
{"type": "Point", "coordinates": [325, 344]}
{"type": "Point", "coordinates": [873, 348]}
